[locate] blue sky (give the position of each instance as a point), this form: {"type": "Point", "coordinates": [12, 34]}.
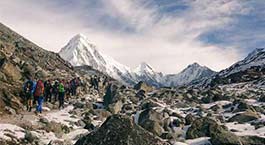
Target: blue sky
{"type": "Point", "coordinates": [167, 34]}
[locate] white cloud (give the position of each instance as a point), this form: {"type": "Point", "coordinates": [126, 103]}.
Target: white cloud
{"type": "Point", "coordinates": [166, 41]}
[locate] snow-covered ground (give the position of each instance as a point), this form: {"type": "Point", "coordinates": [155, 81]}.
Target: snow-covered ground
{"type": "Point", "coordinates": [245, 129]}
{"type": "Point", "coordinates": [10, 131]}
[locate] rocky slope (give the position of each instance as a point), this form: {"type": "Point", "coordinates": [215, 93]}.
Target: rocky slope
{"type": "Point", "coordinates": [20, 58]}
{"type": "Point", "coordinates": [249, 69]}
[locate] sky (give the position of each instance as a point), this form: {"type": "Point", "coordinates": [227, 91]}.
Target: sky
{"type": "Point", "coordinates": [166, 34]}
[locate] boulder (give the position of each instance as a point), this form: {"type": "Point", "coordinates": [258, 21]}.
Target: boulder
{"type": "Point", "coordinates": [143, 86]}
{"type": "Point", "coordinates": [115, 108]}
{"type": "Point", "coordinates": [153, 127]}
{"type": "Point", "coordinates": [244, 117]}
{"type": "Point", "coordinates": [206, 127]}
{"type": "Point", "coordinates": [262, 98]}
{"type": "Point", "coordinates": [253, 140]}
{"type": "Point", "coordinates": [216, 107]}
{"type": "Point", "coordinates": [10, 110]}
{"type": "Point", "coordinates": [120, 130]}
{"type": "Point", "coordinates": [242, 106]}
{"type": "Point", "coordinates": [189, 119]}
{"type": "Point", "coordinates": [11, 71]}
{"type": "Point", "coordinates": [148, 104]}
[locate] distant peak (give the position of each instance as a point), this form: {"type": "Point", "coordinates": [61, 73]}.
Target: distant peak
{"type": "Point", "coordinates": [256, 51]}
{"type": "Point", "coordinates": [143, 64]}
{"type": "Point", "coordinates": [79, 37]}
{"type": "Point", "coordinates": [144, 67]}
{"type": "Point", "coordinates": [195, 64]}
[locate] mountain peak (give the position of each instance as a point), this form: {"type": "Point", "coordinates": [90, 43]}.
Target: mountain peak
{"type": "Point", "coordinates": [195, 64]}
{"type": "Point", "coordinates": [80, 38]}
{"type": "Point", "coordinates": [256, 51]}
{"type": "Point", "coordinates": [144, 67]}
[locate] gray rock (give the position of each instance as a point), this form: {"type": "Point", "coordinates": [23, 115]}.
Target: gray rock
{"type": "Point", "coordinates": [120, 130]}
{"type": "Point", "coordinates": [115, 108]}
{"type": "Point", "coordinates": [206, 127]}
{"type": "Point", "coordinates": [244, 117]}
{"type": "Point", "coordinates": [10, 110]}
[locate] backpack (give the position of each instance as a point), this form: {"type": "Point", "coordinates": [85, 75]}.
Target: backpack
{"type": "Point", "coordinates": [28, 86]}
{"type": "Point", "coordinates": [61, 88]}
{"type": "Point", "coordinates": [39, 89]}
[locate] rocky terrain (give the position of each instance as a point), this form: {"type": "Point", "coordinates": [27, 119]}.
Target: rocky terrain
{"type": "Point", "coordinates": [19, 58]}
{"type": "Point", "coordinates": [209, 112]}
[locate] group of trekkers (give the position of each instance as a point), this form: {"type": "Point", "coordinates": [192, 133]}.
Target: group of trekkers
{"type": "Point", "coordinates": [38, 91]}
{"type": "Point", "coordinates": [95, 80]}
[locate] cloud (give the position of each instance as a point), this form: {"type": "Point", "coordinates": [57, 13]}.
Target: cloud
{"type": "Point", "coordinates": [167, 34]}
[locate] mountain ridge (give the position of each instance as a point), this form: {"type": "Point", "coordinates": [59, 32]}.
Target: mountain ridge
{"type": "Point", "coordinates": [80, 51]}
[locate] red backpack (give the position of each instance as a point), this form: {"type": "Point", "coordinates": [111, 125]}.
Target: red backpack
{"type": "Point", "coordinates": [39, 91]}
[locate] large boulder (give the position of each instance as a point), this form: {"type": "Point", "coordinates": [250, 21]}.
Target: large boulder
{"type": "Point", "coordinates": [115, 107]}
{"type": "Point", "coordinates": [206, 127]}
{"type": "Point", "coordinates": [253, 140]}
{"type": "Point", "coordinates": [189, 119]}
{"type": "Point", "coordinates": [150, 114]}
{"type": "Point", "coordinates": [11, 71]}
{"type": "Point", "coordinates": [113, 99]}
{"type": "Point", "coordinates": [153, 127]}
{"type": "Point", "coordinates": [152, 121]}
{"type": "Point", "coordinates": [120, 130]}
{"type": "Point", "coordinates": [244, 117]}
{"type": "Point", "coordinates": [143, 86]}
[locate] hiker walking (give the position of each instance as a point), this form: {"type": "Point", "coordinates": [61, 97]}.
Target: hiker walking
{"type": "Point", "coordinates": [73, 87]}
{"type": "Point", "coordinates": [92, 82]}
{"type": "Point", "coordinates": [55, 90]}
{"type": "Point", "coordinates": [39, 95]}
{"type": "Point", "coordinates": [95, 83]}
{"type": "Point", "coordinates": [61, 94]}
{"type": "Point", "coordinates": [48, 91]}
{"type": "Point", "coordinates": [67, 87]}
{"type": "Point", "coordinates": [28, 90]}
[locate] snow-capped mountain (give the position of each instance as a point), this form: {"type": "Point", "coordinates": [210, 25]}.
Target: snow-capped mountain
{"type": "Point", "coordinates": [146, 73]}
{"type": "Point", "coordinates": [80, 51]}
{"type": "Point", "coordinates": [254, 59]}
{"type": "Point", "coordinates": [192, 73]}
{"type": "Point", "coordinates": [249, 69]}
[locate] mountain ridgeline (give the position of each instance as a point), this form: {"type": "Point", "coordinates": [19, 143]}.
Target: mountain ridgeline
{"type": "Point", "coordinates": [79, 51]}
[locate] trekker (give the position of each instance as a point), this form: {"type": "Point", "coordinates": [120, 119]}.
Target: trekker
{"type": "Point", "coordinates": [67, 88]}
{"type": "Point", "coordinates": [73, 87]}
{"type": "Point", "coordinates": [55, 90]}
{"type": "Point", "coordinates": [28, 90]}
{"type": "Point", "coordinates": [39, 92]}
{"type": "Point", "coordinates": [92, 82]}
{"type": "Point", "coordinates": [105, 82]}
{"type": "Point", "coordinates": [33, 91]}
{"type": "Point", "coordinates": [48, 93]}
{"type": "Point", "coordinates": [61, 94]}
{"type": "Point", "coordinates": [96, 83]}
